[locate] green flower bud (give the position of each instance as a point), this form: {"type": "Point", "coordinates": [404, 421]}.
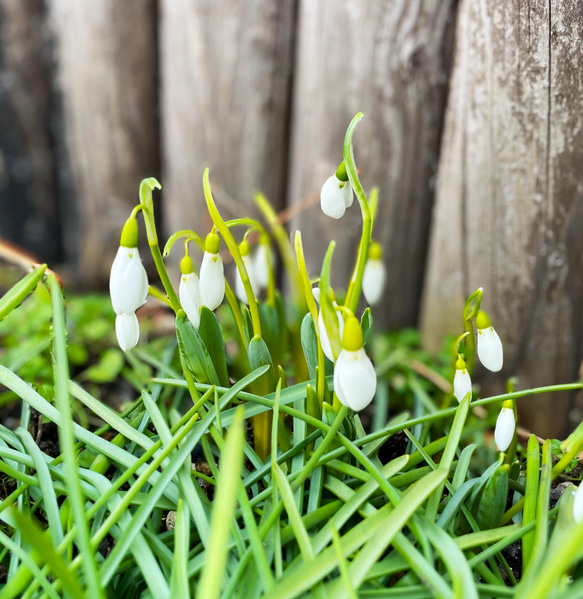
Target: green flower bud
{"type": "Point", "coordinates": [186, 266]}
{"type": "Point", "coordinates": [352, 338]}
{"type": "Point", "coordinates": [129, 233]}
{"type": "Point", "coordinates": [211, 244]}
{"type": "Point", "coordinates": [341, 173]}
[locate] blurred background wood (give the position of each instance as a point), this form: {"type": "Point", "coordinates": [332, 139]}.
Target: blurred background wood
{"type": "Point", "coordinates": [225, 89]}
{"type": "Point", "coordinates": [28, 194]}
{"type": "Point", "coordinates": [509, 211]}
{"type": "Point", "coordinates": [389, 60]}
{"type": "Point", "coordinates": [106, 74]}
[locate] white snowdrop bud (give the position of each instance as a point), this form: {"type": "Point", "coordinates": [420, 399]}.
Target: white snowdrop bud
{"type": "Point", "coordinates": [355, 379]}
{"type": "Point", "coordinates": [374, 275]}
{"type": "Point", "coordinates": [336, 194]}
{"type": "Point", "coordinates": [462, 383]}
{"type": "Point", "coordinates": [128, 286]}
{"type": "Point", "coordinates": [505, 426]}
{"type": "Point", "coordinates": [489, 347]}
{"type": "Point", "coordinates": [212, 274]}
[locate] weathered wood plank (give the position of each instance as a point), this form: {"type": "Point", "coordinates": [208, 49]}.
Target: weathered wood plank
{"type": "Point", "coordinates": [28, 200]}
{"type": "Point", "coordinates": [106, 61]}
{"type": "Point", "coordinates": [509, 208]}
{"type": "Point", "coordinates": [388, 60]}
{"type": "Point", "coordinates": [225, 78]}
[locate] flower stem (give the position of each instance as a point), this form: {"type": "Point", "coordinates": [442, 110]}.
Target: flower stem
{"type": "Point", "coordinates": [355, 287]}
{"type": "Point", "coordinates": [234, 249]}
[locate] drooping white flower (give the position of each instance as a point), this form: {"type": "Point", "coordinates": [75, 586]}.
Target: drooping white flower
{"type": "Point", "coordinates": [355, 379]}
{"type": "Point", "coordinates": [489, 347]}
{"type": "Point", "coordinates": [578, 505]}
{"type": "Point", "coordinates": [323, 333]}
{"type": "Point", "coordinates": [505, 426]}
{"type": "Point", "coordinates": [212, 274]}
{"type": "Point", "coordinates": [250, 268]}
{"type": "Point", "coordinates": [262, 264]}
{"type": "Point", "coordinates": [462, 384]}
{"type": "Point", "coordinates": [336, 194]}
{"type": "Point", "coordinates": [128, 286]}
{"type": "Point", "coordinates": [374, 275]}
{"type": "Point", "coordinates": [189, 291]}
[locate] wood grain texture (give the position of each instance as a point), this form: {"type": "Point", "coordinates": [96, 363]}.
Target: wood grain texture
{"type": "Point", "coordinates": [28, 200]}
{"type": "Point", "coordinates": [225, 89]}
{"type": "Point", "coordinates": [388, 59]}
{"type": "Point", "coordinates": [509, 210]}
{"type": "Point", "coordinates": [106, 61]}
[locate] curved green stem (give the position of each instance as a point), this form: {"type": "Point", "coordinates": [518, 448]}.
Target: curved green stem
{"type": "Point", "coordinates": [146, 187]}
{"type": "Point", "coordinates": [234, 249]}
{"type": "Point", "coordinates": [189, 235]}
{"type": "Point", "coordinates": [354, 290]}
{"type": "Point", "coordinates": [285, 249]}
{"type": "Point", "coordinates": [309, 298]}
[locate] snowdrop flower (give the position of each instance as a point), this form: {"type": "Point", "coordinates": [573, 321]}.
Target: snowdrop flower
{"type": "Point", "coordinates": [189, 292]}
{"type": "Point", "coordinates": [355, 380]}
{"type": "Point", "coordinates": [505, 425]}
{"type": "Point", "coordinates": [324, 339]}
{"type": "Point", "coordinates": [578, 504]}
{"type": "Point", "coordinates": [489, 344]}
{"type": "Point", "coordinates": [336, 194]}
{"type": "Point", "coordinates": [462, 384]}
{"type": "Point", "coordinates": [212, 275]}
{"type": "Point", "coordinates": [250, 268]}
{"type": "Point", "coordinates": [128, 286]}
{"type": "Point", "coordinates": [262, 263]}
{"type": "Point", "coordinates": [373, 278]}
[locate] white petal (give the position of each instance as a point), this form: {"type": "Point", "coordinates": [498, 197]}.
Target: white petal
{"type": "Point", "coordinates": [190, 297]}
{"type": "Point", "coordinates": [347, 194]}
{"type": "Point", "coordinates": [261, 266]}
{"type": "Point", "coordinates": [355, 380]}
{"type": "Point", "coordinates": [373, 281]}
{"type": "Point", "coordinates": [324, 339]}
{"type": "Point", "coordinates": [316, 293]}
{"type": "Point", "coordinates": [462, 384]}
{"type": "Point", "coordinates": [578, 504]}
{"type": "Point", "coordinates": [490, 349]}
{"type": "Point", "coordinates": [332, 197]}
{"type": "Point", "coordinates": [127, 330]}
{"type": "Point", "coordinates": [212, 281]}
{"type": "Point", "coordinates": [128, 282]}
{"type": "Point", "coordinates": [504, 430]}
{"type": "Point", "coordinates": [239, 288]}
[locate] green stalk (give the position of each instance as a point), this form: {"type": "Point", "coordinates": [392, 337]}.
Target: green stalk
{"type": "Point", "coordinates": [234, 250]}
{"type": "Point", "coordinates": [67, 440]}
{"type": "Point", "coordinates": [285, 248]}
{"type": "Point", "coordinates": [311, 302]}
{"type": "Point", "coordinates": [353, 294]}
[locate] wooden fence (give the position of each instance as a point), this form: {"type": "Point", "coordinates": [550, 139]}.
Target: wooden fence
{"type": "Point", "coordinates": [97, 94]}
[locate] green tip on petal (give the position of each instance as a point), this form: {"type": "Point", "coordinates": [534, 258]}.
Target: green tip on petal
{"type": "Point", "coordinates": [341, 173]}
{"type": "Point", "coordinates": [211, 244]}
{"type": "Point", "coordinates": [375, 251]}
{"type": "Point", "coordinates": [186, 266]}
{"type": "Point", "coordinates": [482, 320]}
{"type": "Point", "coordinates": [352, 338]}
{"type": "Point", "coordinates": [460, 364]}
{"type": "Point", "coordinates": [244, 248]}
{"type": "Point", "coordinates": [129, 233]}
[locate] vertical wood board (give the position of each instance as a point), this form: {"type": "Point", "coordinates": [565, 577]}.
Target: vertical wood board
{"type": "Point", "coordinates": [390, 61]}
{"type": "Point", "coordinates": [509, 210]}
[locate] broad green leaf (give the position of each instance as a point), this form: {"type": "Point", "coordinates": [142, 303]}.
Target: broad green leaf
{"type": "Point", "coordinates": [194, 350]}
{"type": "Point", "coordinates": [212, 336]}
